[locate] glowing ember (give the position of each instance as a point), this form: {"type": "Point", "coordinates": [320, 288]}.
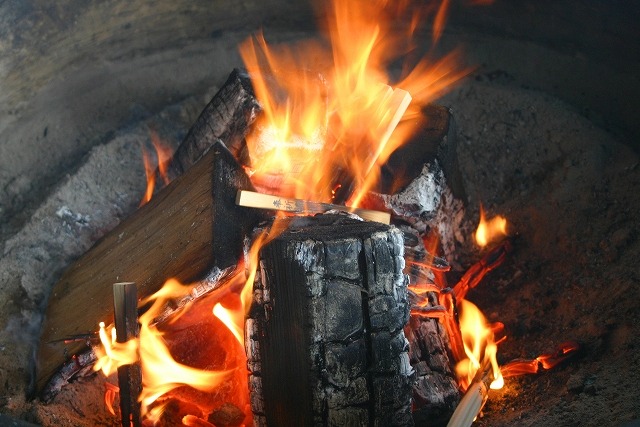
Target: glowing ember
{"type": "Point", "coordinates": [490, 230]}
{"type": "Point", "coordinates": [547, 361]}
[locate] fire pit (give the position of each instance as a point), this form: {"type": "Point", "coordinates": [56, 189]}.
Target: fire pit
{"type": "Point", "coordinates": [564, 183]}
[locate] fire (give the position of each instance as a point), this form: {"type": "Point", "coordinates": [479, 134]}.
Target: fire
{"type": "Point", "coordinates": [490, 230]}
{"type": "Point", "coordinates": [222, 373]}
{"type": "Point", "coordinates": [479, 346]}
{"type": "Point", "coordinates": [163, 154]}
{"type": "Point", "coordinates": [333, 115]}
{"type": "Point", "coordinates": [114, 354]}
{"type": "Point", "coordinates": [161, 372]}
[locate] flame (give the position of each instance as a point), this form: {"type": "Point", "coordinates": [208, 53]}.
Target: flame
{"type": "Point", "coordinates": [546, 361]}
{"type": "Point", "coordinates": [332, 115]}
{"type": "Point", "coordinates": [490, 230]}
{"type": "Point", "coordinates": [114, 354]}
{"type": "Point", "coordinates": [479, 346]}
{"type": "Point", "coordinates": [160, 346]}
{"type": "Point", "coordinates": [163, 155]}
{"type": "Point", "coordinates": [161, 373]}
{"type": "Point", "coordinates": [234, 320]}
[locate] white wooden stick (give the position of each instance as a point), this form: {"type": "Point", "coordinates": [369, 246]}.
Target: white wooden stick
{"type": "Point", "coordinates": [397, 104]}
{"type": "Point", "coordinates": [471, 404]}
{"type": "Point", "coordinates": [252, 199]}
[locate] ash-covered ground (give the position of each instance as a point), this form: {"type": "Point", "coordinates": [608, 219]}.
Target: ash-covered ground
{"type": "Point", "coordinates": [569, 190]}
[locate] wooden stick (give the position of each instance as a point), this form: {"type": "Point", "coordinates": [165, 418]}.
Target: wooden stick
{"type": "Point", "coordinates": [472, 402]}
{"type": "Point", "coordinates": [125, 308]}
{"type": "Point", "coordinates": [392, 107]}
{"type": "Point", "coordinates": [251, 199]}
{"type": "Point", "coordinates": [397, 102]}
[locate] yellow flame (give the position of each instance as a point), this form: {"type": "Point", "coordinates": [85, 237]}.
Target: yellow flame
{"type": "Point", "coordinates": [332, 115]}
{"type": "Point", "coordinates": [479, 345]}
{"type": "Point", "coordinates": [490, 230]}
{"type": "Point", "coordinates": [232, 319]}
{"type": "Point", "coordinates": [114, 354]}
{"type": "Point", "coordinates": [163, 153]}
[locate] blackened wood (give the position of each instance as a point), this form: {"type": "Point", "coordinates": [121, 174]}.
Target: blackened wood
{"type": "Point", "coordinates": [326, 344]}
{"type": "Point", "coordinates": [435, 139]}
{"type": "Point", "coordinates": [188, 229]}
{"type": "Point", "coordinates": [125, 312]}
{"type": "Point", "coordinates": [228, 117]}
{"type": "Point", "coordinates": [435, 391]}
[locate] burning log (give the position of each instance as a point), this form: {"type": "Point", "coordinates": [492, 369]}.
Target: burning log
{"type": "Point", "coordinates": [193, 227]}
{"type": "Point", "coordinates": [228, 117]}
{"type": "Point", "coordinates": [325, 337]}
{"type": "Point", "coordinates": [435, 391]}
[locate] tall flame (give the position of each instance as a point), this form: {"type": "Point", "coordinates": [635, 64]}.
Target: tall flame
{"type": "Point", "coordinates": [331, 116]}
{"type": "Point", "coordinates": [479, 345]}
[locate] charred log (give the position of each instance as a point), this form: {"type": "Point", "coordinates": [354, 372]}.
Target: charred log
{"type": "Point", "coordinates": [228, 117]}
{"type": "Point", "coordinates": [325, 337]}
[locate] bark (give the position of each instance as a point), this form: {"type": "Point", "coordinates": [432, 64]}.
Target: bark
{"type": "Point", "coordinates": [326, 344]}
{"type": "Point", "coordinates": [228, 117]}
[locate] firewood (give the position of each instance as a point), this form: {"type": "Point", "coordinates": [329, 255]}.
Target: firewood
{"type": "Point", "coordinates": [436, 139]}
{"type": "Point", "coordinates": [267, 201]}
{"type": "Point", "coordinates": [228, 117]}
{"type": "Point", "coordinates": [325, 336]}
{"type": "Point", "coordinates": [190, 228]}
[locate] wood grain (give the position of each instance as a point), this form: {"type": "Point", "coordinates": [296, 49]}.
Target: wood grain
{"type": "Point", "coordinates": [187, 229]}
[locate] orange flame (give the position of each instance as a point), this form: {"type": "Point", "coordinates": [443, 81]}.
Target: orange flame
{"type": "Point", "coordinates": [162, 373]}
{"type": "Point", "coordinates": [479, 345]}
{"type": "Point", "coordinates": [336, 125]}
{"type": "Point", "coordinates": [163, 154]}
{"type": "Point", "coordinates": [114, 354]}
{"type": "Point", "coordinates": [546, 361]}
{"type": "Point", "coordinates": [490, 230]}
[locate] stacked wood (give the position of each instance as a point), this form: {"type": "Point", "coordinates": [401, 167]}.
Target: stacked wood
{"type": "Point", "coordinates": [329, 340]}
{"type": "Point", "coordinates": [189, 229]}
{"type": "Point", "coordinates": [325, 336]}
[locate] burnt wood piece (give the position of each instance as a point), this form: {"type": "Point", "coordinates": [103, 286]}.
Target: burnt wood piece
{"type": "Point", "coordinates": [190, 228]}
{"type": "Point", "coordinates": [125, 312]}
{"type": "Point", "coordinates": [325, 339]}
{"type": "Point", "coordinates": [228, 117]}
{"type": "Point", "coordinates": [435, 392]}
{"type": "Point", "coordinates": [436, 139]}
